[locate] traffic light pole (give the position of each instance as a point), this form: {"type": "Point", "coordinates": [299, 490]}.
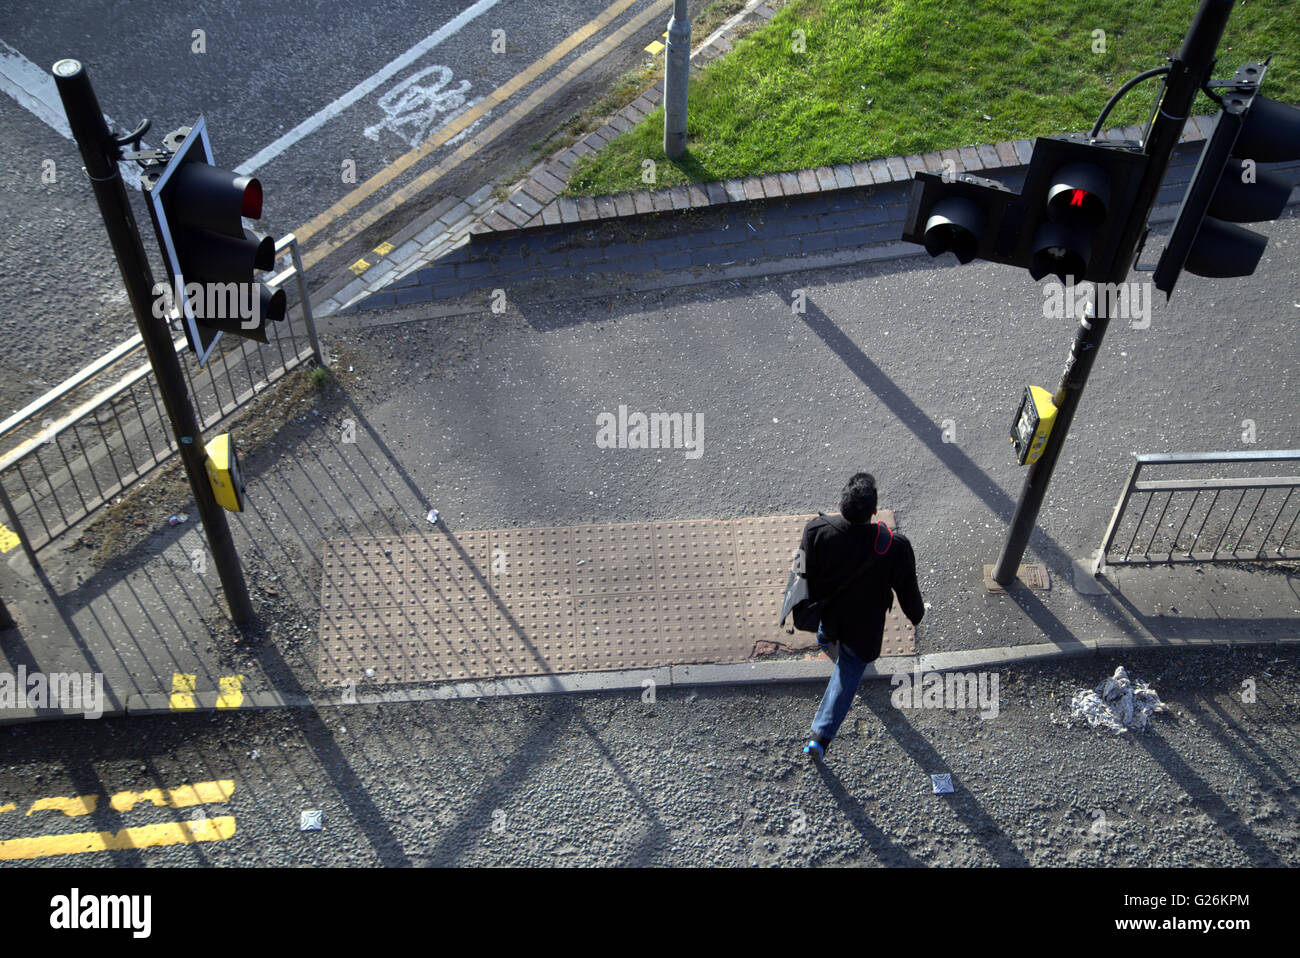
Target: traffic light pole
{"type": "Point", "coordinates": [99, 150]}
{"type": "Point", "coordinates": [1188, 72]}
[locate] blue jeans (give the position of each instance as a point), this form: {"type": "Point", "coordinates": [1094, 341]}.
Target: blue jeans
{"type": "Point", "coordinates": [839, 692]}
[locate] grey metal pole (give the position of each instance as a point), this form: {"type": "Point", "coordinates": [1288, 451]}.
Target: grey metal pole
{"type": "Point", "coordinates": [99, 150]}
{"type": "Point", "coordinates": [677, 72]}
{"type": "Point", "coordinates": [1188, 71]}
{"type": "Point", "coordinates": [321, 356]}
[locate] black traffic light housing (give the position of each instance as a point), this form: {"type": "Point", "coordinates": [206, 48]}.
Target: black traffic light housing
{"type": "Point", "coordinates": [1226, 188]}
{"type": "Point", "coordinates": [198, 211]}
{"type": "Point", "coordinates": [961, 214]}
{"type": "Point", "coordinates": [958, 213]}
{"type": "Point", "coordinates": [1066, 220]}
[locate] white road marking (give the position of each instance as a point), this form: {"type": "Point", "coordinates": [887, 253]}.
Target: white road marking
{"type": "Point", "coordinates": [33, 89]}
{"type": "Point", "coordinates": [365, 87]}
{"type": "Point", "coordinates": [411, 108]}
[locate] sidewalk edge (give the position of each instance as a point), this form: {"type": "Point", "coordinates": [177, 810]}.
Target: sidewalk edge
{"type": "Point", "coordinates": [669, 676]}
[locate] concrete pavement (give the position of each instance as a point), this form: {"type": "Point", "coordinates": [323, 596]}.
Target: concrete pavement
{"type": "Point", "coordinates": [492, 419]}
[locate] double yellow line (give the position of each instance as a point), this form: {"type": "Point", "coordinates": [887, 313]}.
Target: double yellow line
{"type": "Point", "coordinates": [463, 122]}
{"type": "Point", "coordinates": [141, 836]}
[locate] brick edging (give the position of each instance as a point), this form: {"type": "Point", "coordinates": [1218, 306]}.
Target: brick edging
{"type": "Point", "coordinates": [986, 158]}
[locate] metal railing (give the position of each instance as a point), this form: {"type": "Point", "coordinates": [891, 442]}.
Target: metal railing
{"type": "Point", "coordinates": [1189, 519]}
{"type": "Point", "coordinates": [90, 438]}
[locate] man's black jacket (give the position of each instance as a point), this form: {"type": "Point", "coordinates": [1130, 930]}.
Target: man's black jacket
{"type": "Point", "coordinates": [833, 551]}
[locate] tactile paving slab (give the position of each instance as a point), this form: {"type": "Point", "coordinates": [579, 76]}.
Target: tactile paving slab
{"type": "Point", "coordinates": [534, 601]}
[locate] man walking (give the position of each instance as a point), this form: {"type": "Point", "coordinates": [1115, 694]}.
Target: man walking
{"type": "Point", "coordinates": [862, 565]}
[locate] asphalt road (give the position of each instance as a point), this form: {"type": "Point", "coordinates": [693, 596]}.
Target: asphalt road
{"type": "Point", "coordinates": [702, 777]}
{"type": "Point", "coordinates": [370, 83]}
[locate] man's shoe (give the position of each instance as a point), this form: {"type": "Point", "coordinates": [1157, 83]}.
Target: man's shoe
{"type": "Point", "coordinates": [815, 750]}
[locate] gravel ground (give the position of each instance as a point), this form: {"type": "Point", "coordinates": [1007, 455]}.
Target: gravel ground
{"type": "Point", "coordinates": [713, 776]}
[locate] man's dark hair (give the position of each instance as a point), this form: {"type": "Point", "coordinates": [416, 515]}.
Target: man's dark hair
{"type": "Point", "coordinates": [858, 499]}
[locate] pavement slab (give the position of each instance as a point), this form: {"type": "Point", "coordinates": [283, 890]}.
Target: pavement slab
{"type": "Point", "coordinates": [550, 600]}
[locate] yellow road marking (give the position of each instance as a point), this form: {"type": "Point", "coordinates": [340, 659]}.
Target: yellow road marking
{"type": "Point", "coordinates": [232, 691]}
{"type": "Point", "coordinates": [142, 836]}
{"type": "Point", "coordinates": [72, 807]}
{"type": "Point", "coordinates": [655, 48]}
{"type": "Point", "coordinates": [359, 267]}
{"type": "Point", "coordinates": [8, 538]}
{"type": "Point", "coordinates": [183, 691]}
{"type": "Point", "coordinates": [384, 248]}
{"type": "Point", "coordinates": [467, 149]}
{"type": "Point", "coordinates": [186, 796]}
{"type": "Point", "coordinates": [459, 124]}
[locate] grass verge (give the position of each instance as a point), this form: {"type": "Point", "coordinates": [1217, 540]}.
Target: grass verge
{"type": "Point", "coordinates": [838, 81]}
{"type": "Point", "coordinates": [629, 86]}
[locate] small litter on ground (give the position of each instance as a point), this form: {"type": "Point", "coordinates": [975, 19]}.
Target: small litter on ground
{"type": "Point", "coordinates": [312, 820]}
{"type": "Point", "coordinates": [1118, 704]}
{"type": "Point", "coordinates": [942, 783]}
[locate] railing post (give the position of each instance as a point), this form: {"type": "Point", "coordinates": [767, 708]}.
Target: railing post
{"type": "Point", "coordinates": [303, 295]}
{"type": "Point", "coordinates": [1099, 566]}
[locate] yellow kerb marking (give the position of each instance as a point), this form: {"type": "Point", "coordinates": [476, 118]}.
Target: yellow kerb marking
{"type": "Point", "coordinates": [144, 836]}
{"type": "Point", "coordinates": [359, 267]}
{"type": "Point", "coordinates": [458, 125]}
{"type": "Point", "coordinates": [426, 179]}
{"type": "Point", "coordinates": [183, 691]}
{"type": "Point", "coordinates": [8, 538]}
{"type": "Point", "coordinates": [232, 691]}
{"type": "Point", "coordinates": [384, 248]}
{"type": "Point", "coordinates": [200, 793]}
{"type": "Point", "coordinates": [655, 48]}
{"type": "Point", "coordinates": [186, 796]}
{"type": "Point", "coordinates": [72, 807]}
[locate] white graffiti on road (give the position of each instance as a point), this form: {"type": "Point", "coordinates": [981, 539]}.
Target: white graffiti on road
{"type": "Point", "coordinates": [412, 108]}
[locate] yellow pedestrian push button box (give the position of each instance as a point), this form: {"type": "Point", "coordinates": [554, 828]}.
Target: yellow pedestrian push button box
{"type": "Point", "coordinates": [1033, 424]}
{"type": "Point", "coordinates": [223, 473]}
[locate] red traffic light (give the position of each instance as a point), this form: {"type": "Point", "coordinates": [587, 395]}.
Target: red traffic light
{"type": "Point", "coordinates": [215, 199]}
{"type": "Point", "coordinates": [1079, 194]}
{"type": "Point", "coordinates": [198, 211]}
{"type": "Point", "coordinates": [251, 206]}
